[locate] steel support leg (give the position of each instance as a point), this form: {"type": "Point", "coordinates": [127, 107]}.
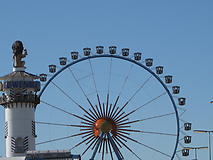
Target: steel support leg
{"type": "Point", "coordinates": [115, 148]}
{"type": "Point", "coordinates": [97, 146]}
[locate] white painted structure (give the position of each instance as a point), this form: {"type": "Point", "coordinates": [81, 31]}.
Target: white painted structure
{"type": "Point", "coordinates": [19, 100]}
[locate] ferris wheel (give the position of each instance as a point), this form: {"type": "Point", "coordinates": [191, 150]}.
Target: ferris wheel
{"type": "Point", "coordinates": [111, 105]}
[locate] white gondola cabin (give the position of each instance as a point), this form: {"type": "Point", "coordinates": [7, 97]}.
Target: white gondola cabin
{"type": "Point", "coordinates": [176, 89]}
{"type": "Point", "coordinates": [149, 62]}
{"type": "Point", "coordinates": [137, 56]}
{"type": "Point", "coordinates": [112, 49]}
{"type": "Point", "coordinates": [99, 49]}
{"type": "Point", "coordinates": [168, 79]}
{"type": "Point", "coordinates": [43, 77]}
{"type": "Point", "coordinates": [159, 70]}
{"type": "Point", "coordinates": [63, 61]}
{"type": "Point", "coordinates": [187, 139]}
{"type": "Point", "coordinates": [87, 51]}
{"type": "Point", "coordinates": [181, 101]}
{"type": "Point", "coordinates": [74, 55]}
{"type": "Point", "coordinates": [187, 126]}
{"type": "Point", "coordinates": [185, 152]}
{"type": "Point", "coordinates": [125, 52]}
{"type": "Point", "coordinates": [52, 68]}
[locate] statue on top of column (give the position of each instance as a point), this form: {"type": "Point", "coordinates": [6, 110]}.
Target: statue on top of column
{"type": "Point", "coordinates": [18, 53]}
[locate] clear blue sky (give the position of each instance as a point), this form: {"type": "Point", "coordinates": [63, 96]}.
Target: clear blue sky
{"type": "Point", "coordinates": [177, 34]}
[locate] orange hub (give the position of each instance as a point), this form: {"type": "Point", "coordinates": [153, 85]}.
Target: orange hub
{"type": "Point", "coordinates": [104, 125]}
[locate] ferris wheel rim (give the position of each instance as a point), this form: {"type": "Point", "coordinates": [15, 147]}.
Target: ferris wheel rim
{"type": "Point", "coordinates": [134, 62]}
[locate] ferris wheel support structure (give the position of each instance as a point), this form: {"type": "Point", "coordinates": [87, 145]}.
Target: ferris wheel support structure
{"type": "Point", "coordinates": [134, 62]}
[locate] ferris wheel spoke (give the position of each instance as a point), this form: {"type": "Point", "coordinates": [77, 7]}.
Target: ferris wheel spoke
{"type": "Point", "coordinates": [80, 143]}
{"type": "Point", "coordinates": [69, 97]}
{"type": "Point", "coordinates": [135, 93]}
{"type": "Point", "coordinates": [94, 81]}
{"type": "Point", "coordinates": [152, 100]}
{"type": "Point", "coordinates": [77, 81]}
{"type": "Point", "coordinates": [140, 88]}
{"type": "Point", "coordinates": [104, 112]}
{"type": "Point", "coordinates": [96, 107]}
{"type": "Point", "coordinates": [116, 141]}
{"type": "Point", "coordinates": [138, 108]}
{"type": "Point", "coordinates": [107, 105]}
{"type": "Point", "coordinates": [122, 88]}
{"type": "Point", "coordinates": [110, 150]}
{"type": "Point", "coordinates": [177, 156]}
{"type": "Point", "coordinates": [84, 77]}
{"type": "Point", "coordinates": [123, 127]}
{"type": "Point", "coordinates": [87, 123]}
{"type": "Point", "coordinates": [93, 113]}
{"type": "Point", "coordinates": [125, 80]}
{"type": "Point", "coordinates": [120, 137]}
{"type": "Point", "coordinates": [92, 141]}
{"type": "Point", "coordinates": [121, 119]}
{"type": "Point", "coordinates": [66, 125]}
{"type": "Point", "coordinates": [93, 108]}
{"type": "Point", "coordinates": [98, 139]}
{"type": "Point", "coordinates": [139, 131]}
{"type": "Point", "coordinates": [95, 116]}
{"type": "Point", "coordinates": [128, 148]}
{"type": "Point", "coordinates": [91, 117]}
{"type": "Point", "coordinates": [83, 119]}
{"type": "Point", "coordinates": [86, 129]}
{"type": "Point", "coordinates": [99, 104]}
{"type": "Point", "coordinates": [123, 131]}
{"type": "Point", "coordinates": [114, 106]}
{"type": "Point", "coordinates": [158, 116]}
{"type": "Point", "coordinates": [182, 113]}
{"type": "Point", "coordinates": [149, 118]}
{"type": "Point", "coordinates": [124, 120]}
{"type": "Point", "coordinates": [93, 76]}
{"type": "Point", "coordinates": [117, 117]}
{"type": "Point", "coordinates": [91, 133]}
{"type": "Point", "coordinates": [107, 151]}
{"type": "Point", "coordinates": [100, 146]}
{"type": "Point", "coordinates": [110, 107]}
{"type": "Point", "coordinates": [147, 146]}
{"type": "Point", "coordinates": [116, 110]}
{"type": "Point", "coordinates": [62, 110]}
{"type": "Point", "coordinates": [114, 147]}
{"type": "Point", "coordinates": [103, 149]}
{"type": "Point", "coordinates": [116, 114]}
{"type": "Point", "coordinates": [97, 145]}
{"type": "Point", "coordinates": [118, 148]}
{"type": "Point", "coordinates": [110, 76]}
{"type": "Point", "coordinates": [62, 138]}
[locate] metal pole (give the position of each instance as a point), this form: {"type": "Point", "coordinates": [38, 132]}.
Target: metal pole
{"type": "Point", "coordinates": [210, 146]}
{"type": "Point", "coordinates": [195, 153]}
{"type": "Point", "coordinates": [209, 140]}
